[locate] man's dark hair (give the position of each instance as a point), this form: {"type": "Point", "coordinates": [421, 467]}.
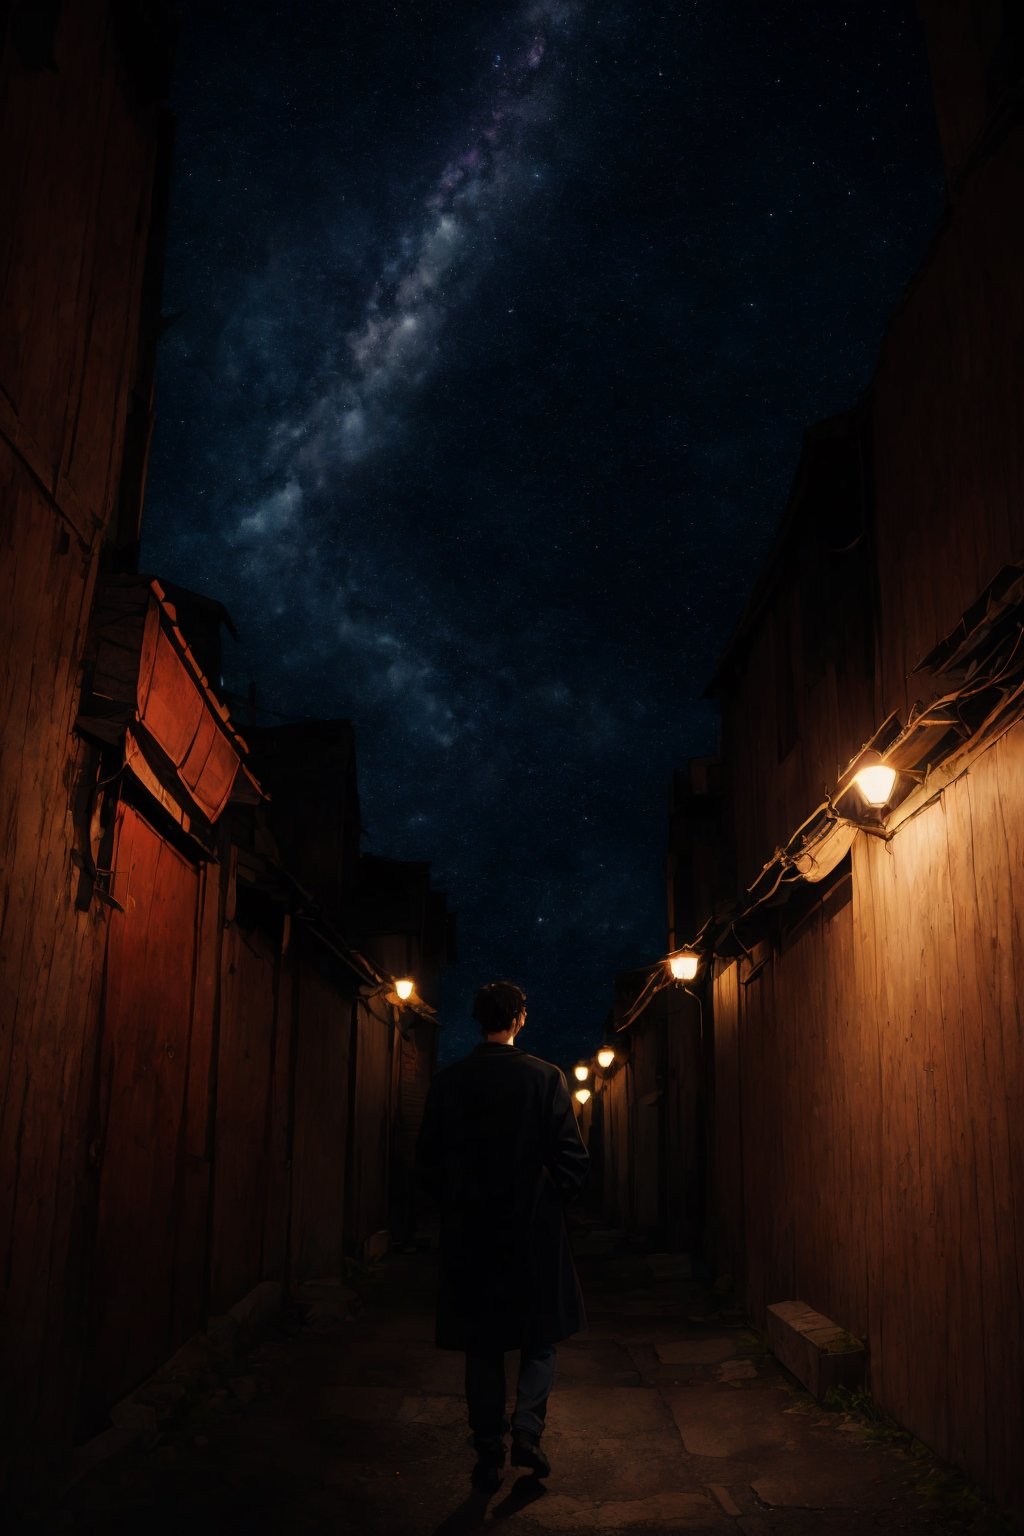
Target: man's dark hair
{"type": "Point", "coordinates": [498, 1005]}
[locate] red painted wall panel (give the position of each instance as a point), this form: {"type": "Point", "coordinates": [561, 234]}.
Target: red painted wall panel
{"type": "Point", "coordinates": [143, 1076]}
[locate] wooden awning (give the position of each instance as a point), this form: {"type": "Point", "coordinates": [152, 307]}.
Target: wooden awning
{"type": "Point", "coordinates": [180, 714]}
{"type": "Point", "coordinates": [146, 690]}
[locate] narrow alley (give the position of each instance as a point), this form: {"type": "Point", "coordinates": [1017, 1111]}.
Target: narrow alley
{"type": "Point", "coordinates": [434, 604]}
{"type": "Point", "coordinates": [667, 1415]}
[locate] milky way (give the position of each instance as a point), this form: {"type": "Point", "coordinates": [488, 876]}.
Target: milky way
{"type": "Point", "coordinates": [374, 373]}
{"type": "Point", "coordinates": [393, 350]}
{"type": "Point", "coordinates": [498, 326]}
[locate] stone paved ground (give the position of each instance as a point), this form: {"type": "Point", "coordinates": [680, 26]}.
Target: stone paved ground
{"type": "Point", "coordinates": [665, 1418]}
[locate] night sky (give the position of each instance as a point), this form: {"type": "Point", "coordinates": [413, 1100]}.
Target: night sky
{"type": "Point", "coordinates": [497, 327]}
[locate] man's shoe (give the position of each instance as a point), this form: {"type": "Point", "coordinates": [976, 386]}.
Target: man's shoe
{"type": "Point", "coordinates": [526, 1452]}
{"type": "Point", "coordinates": [490, 1465]}
{"type": "Point", "coordinates": [486, 1477]}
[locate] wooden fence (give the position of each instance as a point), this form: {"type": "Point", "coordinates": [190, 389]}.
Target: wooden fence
{"type": "Point", "coordinates": [869, 1084]}
{"type": "Point", "coordinates": [184, 1033]}
{"type": "Point", "coordinates": [79, 178]}
{"type": "Point", "coordinates": [231, 1140]}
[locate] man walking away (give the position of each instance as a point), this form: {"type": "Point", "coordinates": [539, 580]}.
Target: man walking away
{"type": "Point", "coordinates": [500, 1150]}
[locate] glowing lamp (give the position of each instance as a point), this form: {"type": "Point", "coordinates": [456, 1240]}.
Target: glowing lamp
{"type": "Point", "coordinates": [582, 1073]}
{"type": "Point", "coordinates": [404, 988]}
{"type": "Point", "coordinates": [876, 783]}
{"type": "Point", "coordinates": [605, 1058]}
{"type": "Point", "coordinates": [684, 966]}
{"type": "Point", "coordinates": [582, 1095]}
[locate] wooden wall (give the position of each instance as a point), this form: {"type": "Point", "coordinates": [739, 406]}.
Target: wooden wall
{"type": "Point", "coordinates": [726, 1240]}
{"type": "Point", "coordinates": [869, 1098]}
{"type": "Point", "coordinates": [943, 512]}
{"type": "Point", "coordinates": [949, 425]}
{"type": "Point", "coordinates": [176, 1062]}
{"type": "Point", "coordinates": [649, 1116]}
{"type": "Point", "coordinates": [247, 1227]}
{"type": "Point", "coordinates": [141, 1105]}
{"type": "Point", "coordinates": [215, 1124]}
{"type": "Point", "coordinates": [616, 1143]}
{"type": "Point", "coordinates": [76, 182]}
{"type": "Point", "coordinates": [868, 1080]}
{"type": "Point", "coordinates": [940, 929]}
{"type": "Point", "coordinates": [415, 1051]}
{"type": "Point", "coordinates": [647, 1121]}
{"type": "Point", "coordinates": [368, 1199]}
{"type": "Point", "coordinates": [683, 1192]}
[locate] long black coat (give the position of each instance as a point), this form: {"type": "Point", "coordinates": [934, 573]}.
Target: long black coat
{"type": "Point", "coordinates": [500, 1150]}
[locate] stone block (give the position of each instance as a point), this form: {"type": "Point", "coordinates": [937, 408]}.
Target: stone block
{"type": "Point", "coordinates": [819, 1353]}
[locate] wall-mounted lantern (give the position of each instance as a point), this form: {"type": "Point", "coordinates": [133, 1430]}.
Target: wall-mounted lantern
{"type": "Point", "coordinates": [581, 1095]}
{"type": "Point", "coordinates": [685, 965]}
{"type": "Point", "coordinates": [876, 781]}
{"type": "Point", "coordinates": [404, 988]}
{"type": "Point", "coordinates": [582, 1072]}
{"type": "Point", "coordinates": [605, 1057]}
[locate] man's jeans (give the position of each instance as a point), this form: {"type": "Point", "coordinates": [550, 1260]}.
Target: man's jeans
{"type": "Point", "coordinates": [485, 1393]}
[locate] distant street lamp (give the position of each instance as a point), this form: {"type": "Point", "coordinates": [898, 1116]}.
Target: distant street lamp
{"type": "Point", "coordinates": [404, 988]}
{"type": "Point", "coordinates": [582, 1073]}
{"type": "Point", "coordinates": [605, 1057]}
{"type": "Point", "coordinates": [582, 1095]}
{"type": "Point", "coordinates": [684, 966]}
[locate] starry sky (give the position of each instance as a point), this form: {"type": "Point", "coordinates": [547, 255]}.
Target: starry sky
{"type": "Point", "coordinates": [493, 332]}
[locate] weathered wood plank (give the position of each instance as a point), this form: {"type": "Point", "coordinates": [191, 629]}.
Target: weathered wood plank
{"type": "Point", "coordinates": [817, 1351]}
{"type": "Point", "coordinates": [728, 1197]}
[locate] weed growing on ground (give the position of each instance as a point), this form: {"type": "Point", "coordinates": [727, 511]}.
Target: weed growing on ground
{"type": "Point", "coordinates": [958, 1504]}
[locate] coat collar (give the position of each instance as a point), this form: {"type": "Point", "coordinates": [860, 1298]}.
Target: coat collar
{"type": "Point", "coordinates": [493, 1048]}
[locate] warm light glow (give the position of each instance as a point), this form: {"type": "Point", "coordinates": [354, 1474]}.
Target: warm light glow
{"type": "Point", "coordinates": [404, 989]}
{"type": "Point", "coordinates": [684, 967]}
{"type": "Point", "coordinates": [582, 1073]}
{"type": "Point", "coordinates": [605, 1057]}
{"type": "Point", "coordinates": [582, 1095]}
{"type": "Point", "coordinates": [876, 783]}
